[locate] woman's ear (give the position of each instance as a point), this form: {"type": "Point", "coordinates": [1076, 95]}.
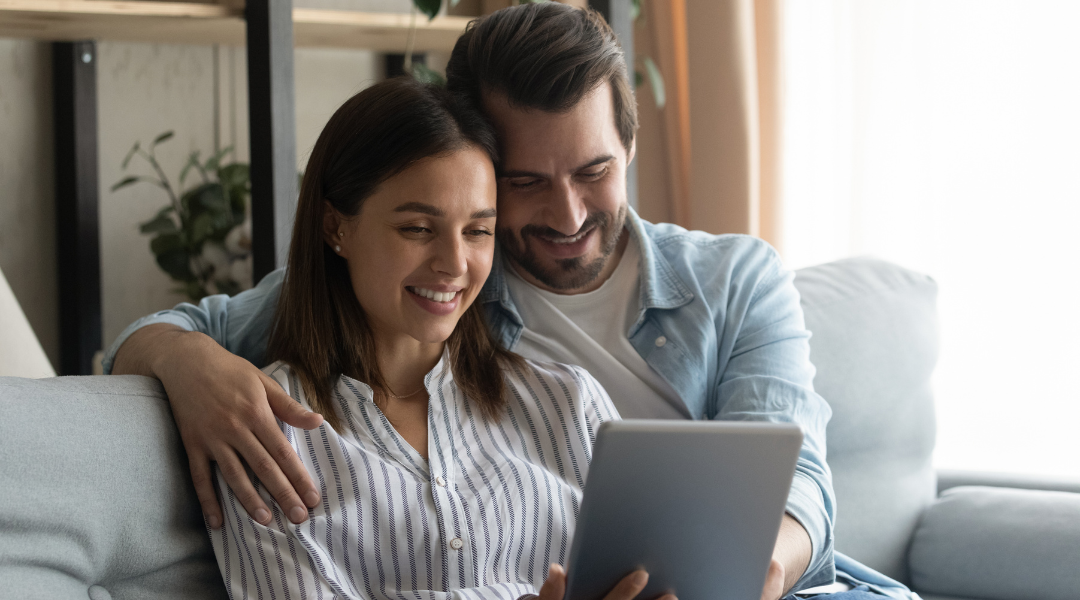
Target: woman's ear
{"type": "Point", "coordinates": [332, 224]}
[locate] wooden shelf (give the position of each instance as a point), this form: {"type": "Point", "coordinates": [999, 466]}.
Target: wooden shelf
{"type": "Point", "coordinates": [190, 23]}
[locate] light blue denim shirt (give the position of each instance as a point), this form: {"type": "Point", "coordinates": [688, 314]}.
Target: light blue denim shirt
{"type": "Point", "coordinates": [734, 347]}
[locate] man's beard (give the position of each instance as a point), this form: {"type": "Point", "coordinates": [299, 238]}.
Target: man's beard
{"type": "Point", "coordinates": [568, 273]}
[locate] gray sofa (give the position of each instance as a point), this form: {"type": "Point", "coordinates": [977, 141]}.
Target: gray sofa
{"type": "Point", "coordinates": [95, 499]}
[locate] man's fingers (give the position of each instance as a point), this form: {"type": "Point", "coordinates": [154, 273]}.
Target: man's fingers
{"type": "Point", "coordinates": [202, 477]}
{"type": "Point", "coordinates": [629, 587]}
{"type": "Point", "coordinates": [269, 470]}
{"type": "Point", "coordinates": [287, 409]}
{"type": "Point", "coordinates": [237, 478]}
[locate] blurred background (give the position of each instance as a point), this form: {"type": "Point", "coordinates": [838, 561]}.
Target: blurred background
{"type": "Point", "coordinates": [940, 135]}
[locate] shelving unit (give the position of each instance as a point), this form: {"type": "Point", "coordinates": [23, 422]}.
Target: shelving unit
{"type": "Point", "coordinates": [191, 23]}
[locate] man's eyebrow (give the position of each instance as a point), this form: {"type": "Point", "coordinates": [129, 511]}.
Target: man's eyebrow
{"type": "Point", "coordinates": [420, 207]}
{"type": "Point", "coordinates": [592, 163]}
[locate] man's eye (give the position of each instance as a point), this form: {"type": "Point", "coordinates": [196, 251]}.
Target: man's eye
{"type": "Point", "coordinates": [595, 174]}
{"type": "Point", "coordinates": [523, 184]}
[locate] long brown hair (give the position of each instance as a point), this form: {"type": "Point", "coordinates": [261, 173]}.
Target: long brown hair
{"type": "Point", "coordinates": [319, 328]}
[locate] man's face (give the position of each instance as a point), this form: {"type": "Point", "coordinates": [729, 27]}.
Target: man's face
{"type": "Point", "coordinates": [561, 191]}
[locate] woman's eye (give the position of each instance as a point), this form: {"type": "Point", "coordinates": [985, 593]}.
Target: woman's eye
{"type": "Point", "coordinates": [415, 229]}
{"type": "Point", "coordinates": [479, 232]}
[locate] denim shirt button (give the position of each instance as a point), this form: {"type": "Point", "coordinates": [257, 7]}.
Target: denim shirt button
{"type": "Point", "coordinates": [660, 341]}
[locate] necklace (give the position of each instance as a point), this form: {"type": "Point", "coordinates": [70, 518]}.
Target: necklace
{"type": "Point", "coordinates": [390, 392]}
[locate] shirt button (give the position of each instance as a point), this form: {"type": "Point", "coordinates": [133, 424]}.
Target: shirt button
{"type": "Point", "coordinates": [440, 481]}
{"type": "Point", "coordinates": [660, 341]}
{"type": "Point", "coordinates": [456, 543]}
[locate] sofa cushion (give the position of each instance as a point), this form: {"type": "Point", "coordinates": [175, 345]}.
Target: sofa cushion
{"type": "Point", "coordinates": [874, 345]}
{"type": "Point", "coordinates": [999, 544]}
{"type": "Point", "coordinates": [96, 498]}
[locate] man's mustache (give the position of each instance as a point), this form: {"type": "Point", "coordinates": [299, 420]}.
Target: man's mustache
{"type": "Point", "coordinates": [593, 220]}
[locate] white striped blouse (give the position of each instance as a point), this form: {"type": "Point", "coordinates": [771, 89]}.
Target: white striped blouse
{"type": "Point", "coordinates": [483, 517]}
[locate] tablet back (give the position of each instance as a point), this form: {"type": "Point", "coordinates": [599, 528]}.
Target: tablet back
{"type": "Point", "coordinates": [696, 504]}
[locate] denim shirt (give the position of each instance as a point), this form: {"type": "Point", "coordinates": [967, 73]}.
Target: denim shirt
{"type": "Point", "coordinates": [720, 320]}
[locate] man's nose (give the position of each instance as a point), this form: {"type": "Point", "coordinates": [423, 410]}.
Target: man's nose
{"type": "Point", "coordinates": [451, 257]}
{"type": "Point", "coordinates": [565, 211]}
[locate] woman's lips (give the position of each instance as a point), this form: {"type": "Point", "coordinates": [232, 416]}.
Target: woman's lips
{"type": "Point", "coordinates": [433, 301]}
{"type": "Point", "coordinates": [567, 247]}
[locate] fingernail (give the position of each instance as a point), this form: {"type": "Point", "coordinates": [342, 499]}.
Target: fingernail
{"type": "Point", "coordinates": [213, 520]}
{"type": "Point", "coordinates": [311, 499]}
{"type": "Point", "coordinates": [261, 515]}
{"type": "Point", "coordinates": [640, 578]}
{"type": "Point", "coordinates": [297, 514]}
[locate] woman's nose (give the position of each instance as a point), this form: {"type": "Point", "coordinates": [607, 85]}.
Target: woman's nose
{"type": "Point", "coordinates": [451, 258]}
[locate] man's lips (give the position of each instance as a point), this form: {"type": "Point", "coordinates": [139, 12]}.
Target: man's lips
{"type": "Point", "coordinates": [566, 246]}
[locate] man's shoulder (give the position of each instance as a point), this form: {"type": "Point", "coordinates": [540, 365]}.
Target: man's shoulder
{"type": "Point", "coordinates": [699, 250]}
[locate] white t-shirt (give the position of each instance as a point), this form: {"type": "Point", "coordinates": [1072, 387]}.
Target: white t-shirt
{"type": "Point", "coordinates": [590, 330]}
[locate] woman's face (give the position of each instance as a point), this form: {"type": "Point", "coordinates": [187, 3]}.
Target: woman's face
{"type": "Point", "coordinates": [421, 247]}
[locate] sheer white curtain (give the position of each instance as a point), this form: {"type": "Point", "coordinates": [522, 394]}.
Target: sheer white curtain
{"type": "Point", "coordinates": [944, 135]}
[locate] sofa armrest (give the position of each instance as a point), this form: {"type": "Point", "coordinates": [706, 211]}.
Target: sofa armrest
{"type": "Point", "coordinates": [998, 543]}
{"type": "Point", "coordinates": [948, 479]}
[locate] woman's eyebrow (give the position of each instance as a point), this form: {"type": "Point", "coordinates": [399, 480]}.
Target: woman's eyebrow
{"type": "Point", "coordinates": [420, 207]}
{"type": "Point", "coordinates": [435, 211]}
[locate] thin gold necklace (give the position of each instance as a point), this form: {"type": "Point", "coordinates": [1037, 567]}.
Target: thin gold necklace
{"type": "Point", "coordinates": [390, 392]}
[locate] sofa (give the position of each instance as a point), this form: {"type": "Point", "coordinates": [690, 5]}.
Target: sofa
{"type": "Point", "coordinates": [96, 500]}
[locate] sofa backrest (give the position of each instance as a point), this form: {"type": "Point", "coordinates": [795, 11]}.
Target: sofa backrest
{"type": "Point", "coordinates": [96, 498]}
{"type": "Point", "coordinates": [875, 345]}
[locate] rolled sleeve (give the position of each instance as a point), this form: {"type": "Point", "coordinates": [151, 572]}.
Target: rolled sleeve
{"type": "Point", "coordinates": [241, 324]}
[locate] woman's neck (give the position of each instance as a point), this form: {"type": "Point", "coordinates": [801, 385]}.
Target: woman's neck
{"type": "Point", "coordinates": [404, 362]}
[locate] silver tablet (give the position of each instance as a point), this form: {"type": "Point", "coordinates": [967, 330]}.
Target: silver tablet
{"type": "Point", "coordinates": [697, 504]}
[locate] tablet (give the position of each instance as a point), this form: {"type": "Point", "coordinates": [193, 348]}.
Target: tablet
{"type": "Point", "coordinates": [697, 504]}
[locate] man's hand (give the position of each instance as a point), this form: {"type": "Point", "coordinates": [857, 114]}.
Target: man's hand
{"type": "Point", "coordinates": [628, 588]}
{"type": "Point", "coordinates": [224, 408]}
{"type": "Point", "coordinates": [791, 557]}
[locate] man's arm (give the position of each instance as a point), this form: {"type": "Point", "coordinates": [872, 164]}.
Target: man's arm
{"type": "Point", "coordinates": [791, 557]}
{"type": "Point", "coordinates": [223, 405]}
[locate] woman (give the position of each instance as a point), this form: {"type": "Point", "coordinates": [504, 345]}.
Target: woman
{"type": "Point", "coordinates": [448, 466]}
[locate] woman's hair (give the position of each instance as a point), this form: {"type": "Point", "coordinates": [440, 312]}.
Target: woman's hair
{"type": "Point", "coordinates": [319, 328]}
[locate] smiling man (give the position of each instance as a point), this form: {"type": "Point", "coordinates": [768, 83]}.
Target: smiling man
{"type": "Point", "coordinates": [673, 323]}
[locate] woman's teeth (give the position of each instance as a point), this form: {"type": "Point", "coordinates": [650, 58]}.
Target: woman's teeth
{"type": "Point", "coordinates": [569, 240]}
{"type": "Point", "coordinates": [433, 295]}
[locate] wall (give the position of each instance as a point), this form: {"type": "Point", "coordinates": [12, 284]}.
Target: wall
{"type": "Point", "coordinates": [200, 92]}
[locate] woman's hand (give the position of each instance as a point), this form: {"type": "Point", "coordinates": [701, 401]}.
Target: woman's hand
{"type": "Point", "coordinates": [628, 588]}
{"type": "Point", "coordinates": [224, 408]}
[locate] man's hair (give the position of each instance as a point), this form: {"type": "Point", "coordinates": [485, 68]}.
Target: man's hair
{"type": "Point", "coordinates": [319, 327]}
{"type": "Point", "coordinates": [545, 56]}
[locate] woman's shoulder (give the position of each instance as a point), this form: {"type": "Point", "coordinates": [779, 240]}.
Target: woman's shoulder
{"type": "Point", "coordinates": [573, 380]}
{"type": "Point", "coordinates": [283, 374]}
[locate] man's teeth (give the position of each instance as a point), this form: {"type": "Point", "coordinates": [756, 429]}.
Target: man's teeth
{"type": "Point", "coordinates": [433, 295]}
{"type": "Point", "coordinates": [569, 240]}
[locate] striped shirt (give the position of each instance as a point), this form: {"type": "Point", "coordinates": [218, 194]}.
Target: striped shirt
{"type": "Point", "coordinates": [493, 505]}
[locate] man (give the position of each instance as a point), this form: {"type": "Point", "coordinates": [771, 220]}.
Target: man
{"type": "Point", "coordinates": [675, 324]}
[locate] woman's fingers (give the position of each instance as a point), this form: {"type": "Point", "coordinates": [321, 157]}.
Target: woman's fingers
{"type": "Point", "coordinates": [629, 587]}
{"type": "Point", "coordinates": [555, 585]}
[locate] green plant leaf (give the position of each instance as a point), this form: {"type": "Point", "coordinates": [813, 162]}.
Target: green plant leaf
{"type": "Point", "coordinates": [130, 153]}
{"type": "Point", "coordinates": [166, 242]}
{"type": "Point", "coordinates": [635, 9]}
{"type": "Point", "coordinates": [455, 2]}
{"type": "Point", "coordinates": [638, 78]}
{"type": "Point", "coordinates": [175, 263]}
{"type": "Point", "coordinates": [423, 73]}
{"type": "Point", "coordinates": [234, 175]}
{"type": "Point", "coordinates": [201, 229]}
{"type": "Point", "coordinates": [212, 197]}
{"type": "Point", "coordinates": [214, 162]}
{"type": "Point", "coordinates": [192, 161]}
{"type": "Point", "coordinates": [428, 7]}
{"type": "Point", "coordinates": [161, 138]}
{"type": "Point", "coordinates": [656, 82]}
{"type": "Point", "coordinates": [159, 224]}
{"type": "Point", "coordinates": [123, 183]}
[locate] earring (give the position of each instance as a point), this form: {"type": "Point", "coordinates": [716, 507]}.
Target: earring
{"type": "Point", "coordinates": [341, 234]}
{"type": "Point", "coordinates": [337, 248]}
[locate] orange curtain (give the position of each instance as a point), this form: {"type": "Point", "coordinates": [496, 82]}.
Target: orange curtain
{"type": "Point", "coordinates": [715, 162]}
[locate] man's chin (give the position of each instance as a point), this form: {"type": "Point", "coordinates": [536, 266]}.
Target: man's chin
{"type": "Point", "coordinates": [563, 274]}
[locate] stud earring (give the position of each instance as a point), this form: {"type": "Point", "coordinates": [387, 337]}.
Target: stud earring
{"type": "Point", "coordinates": [341, 234]}
{"type": "Point", "coordinates": [337, 248]}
